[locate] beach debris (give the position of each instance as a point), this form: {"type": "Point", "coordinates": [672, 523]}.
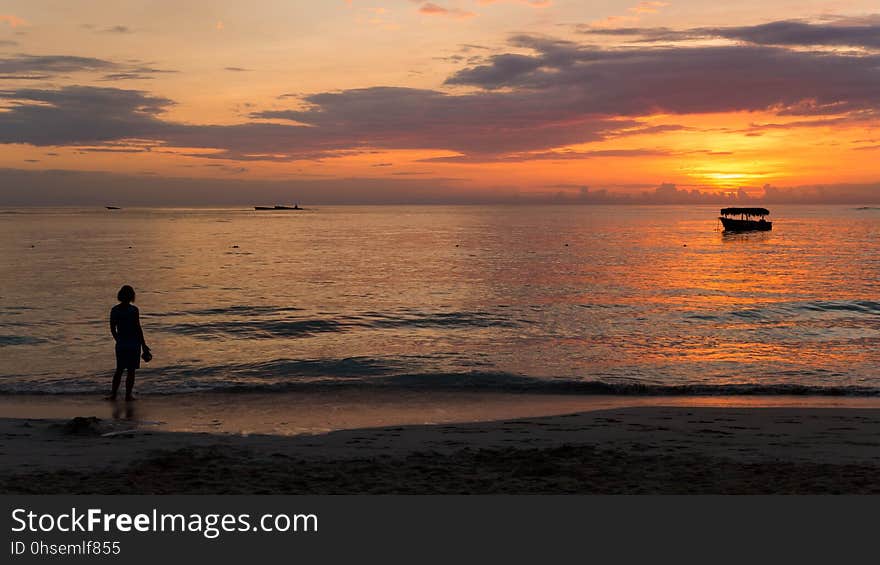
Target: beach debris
{"type": "Point", "coordinates": [84, 426]}
{"type": "Point", "coordinates": [125, 433]}
{"type": "Point", "coordinates": [92, 426]}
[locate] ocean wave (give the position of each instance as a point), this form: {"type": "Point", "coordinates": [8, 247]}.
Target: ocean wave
{"type": "Point", "coordinates": [792, 310]}
{"type": "Point", "coordinates": [259, 326]}
{"type": "Point", "coordinates": [506, 382]}
{"type": "Point", "coordinates": [9, 340]}
{"type": "Point", "coordinates": [337, 369]}
{"type": "Point", "coordinates": [256, 329]}
{"type": "Point", "coordinates": [859, 306]}
{"type": "Point", "coordinates": [439, 319]}
{"type": "Point", "coordinates": [237, 309]}
{"type": "Point", "coordinates": [366, 375]}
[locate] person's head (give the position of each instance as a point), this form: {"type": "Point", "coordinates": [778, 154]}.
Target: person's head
{"type": "Point", "coordinates": [125, 294]}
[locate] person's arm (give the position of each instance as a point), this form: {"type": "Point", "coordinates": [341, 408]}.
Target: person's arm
{"type": "Point", "coordinates": [140, 331]}
{"type": "Point", "coordinates": [113, 326]}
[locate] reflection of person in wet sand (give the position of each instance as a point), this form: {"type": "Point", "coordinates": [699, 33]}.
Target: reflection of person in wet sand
{"type": "Point", "coordinates": [125, 325]}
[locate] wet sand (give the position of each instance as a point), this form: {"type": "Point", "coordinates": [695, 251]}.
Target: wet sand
{"type": "Point", "coordinates": [640, 445]}
{"type": "Point", "coordinates": [296, 413]}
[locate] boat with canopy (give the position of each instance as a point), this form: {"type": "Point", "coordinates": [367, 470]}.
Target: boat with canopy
{"type": "Point", "coordinates": [276, 207]}
{"type": "Point", "coordinates": [749, 219]}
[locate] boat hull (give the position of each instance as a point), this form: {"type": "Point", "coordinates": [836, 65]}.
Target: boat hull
{"type": "Point", "coordinates": [732, 224]}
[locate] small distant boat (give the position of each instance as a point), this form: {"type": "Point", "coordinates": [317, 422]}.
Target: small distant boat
{"type": "Point", "coordinates": [750, 219]}
{"type": "Point", "coordinates": [263, 208]}
{"type": "Point", "coordinates": [113, 207]}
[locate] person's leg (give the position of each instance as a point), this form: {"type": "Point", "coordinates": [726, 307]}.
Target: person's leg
{"type": "Point", "coordinates": [117, 378]}
{"type": "Point", "coordinates": [129, 384]}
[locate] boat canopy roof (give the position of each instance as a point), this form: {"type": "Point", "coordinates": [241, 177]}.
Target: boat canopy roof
{"type": "Point", "coordinates": [746, 211]}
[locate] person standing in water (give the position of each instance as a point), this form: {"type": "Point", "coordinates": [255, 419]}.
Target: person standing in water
{"type": "Point", "coordinates": [125, 325]}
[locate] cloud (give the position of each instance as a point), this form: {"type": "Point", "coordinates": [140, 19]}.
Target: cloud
{"type": "Point", "coordinates": [682, 80]}
{"type": "Point", "coordinates": [79, 115]}
{"type": "Point", "coordinates": [31, 67]}
{"type": "Point", "coordinates": [117, 29]}
{"type": "Point", "coordinates": [332, 124]}
{"type": "Point", "coordinates": [53, 64]}
{"type": "Point", "coordinates": [12, 20]}
{"type": "Point", "coordinates": [805, 34]}
{"type": "Point", "coordinates": [405, 118]}
{"type": "Point", "coordinates": [562, 155]}
{"type": "Point", "coordinates": [836, 33]}
{"type": "Point", "coordinates": [432, 9]}
{"type": "Point", "coordinates": [501, 68]}
{"type": "Point", "coordinates": [532, 3]}
{"type": "Point", "coordinates": [668, 193]}
{"type": "Point", "coordinates": [121, 29]}
{"type": "Point", "coordinates": [759, 128]}
{"type": "Point", "coordinates": [64, 187]}
{"type": "Point", "coordinates": [868, 193]}
{"type": "Point", "coordinates": [648, 7]}
{"type": "Point", "coordinates": [135, 73]}
{"type": "Point", "coordinates": [633, 15]}
{"type": "Point", "coordinates": [125, 76]}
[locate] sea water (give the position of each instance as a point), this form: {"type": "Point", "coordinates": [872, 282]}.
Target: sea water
{"type": "Point", "coordinates": [579, 299]}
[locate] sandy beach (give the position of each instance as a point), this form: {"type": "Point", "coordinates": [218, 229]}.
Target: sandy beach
{"type": "Point", "coordinates": [519, 444]}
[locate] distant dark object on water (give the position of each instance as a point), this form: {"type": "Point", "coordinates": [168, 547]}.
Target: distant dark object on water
{"type": "Point", "coordinates": [746, 221]}
{"type": "Point", "coordinates": [113, 207]}
{"type": "Point", "coordinates": [294, 207]}
{"type": "Point", "coordinates": [868, 208]}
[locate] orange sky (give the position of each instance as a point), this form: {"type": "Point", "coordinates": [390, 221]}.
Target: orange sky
{"type": "Point", "coordinates": [516, 96]}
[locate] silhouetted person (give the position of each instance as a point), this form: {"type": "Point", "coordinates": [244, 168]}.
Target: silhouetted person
{"type": "Point", "coordinates": [125, 325]}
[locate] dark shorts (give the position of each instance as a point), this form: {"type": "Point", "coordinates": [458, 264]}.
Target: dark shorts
{"type": "Point", "coordinates": [128, 356]}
